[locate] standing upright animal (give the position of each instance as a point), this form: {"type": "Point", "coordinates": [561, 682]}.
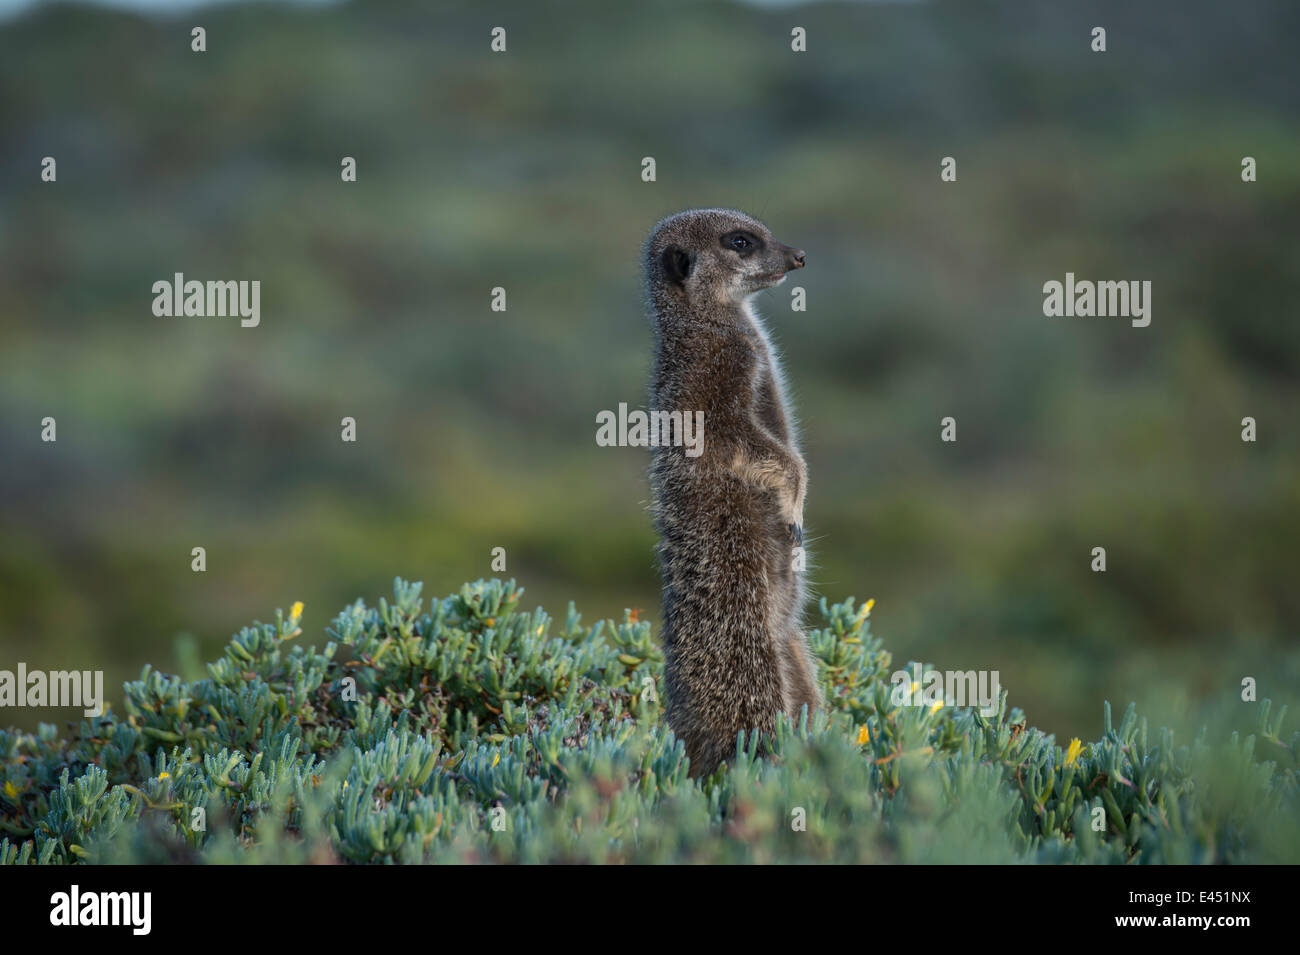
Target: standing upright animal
{"type": "Point", "coordinates": [731, 517]}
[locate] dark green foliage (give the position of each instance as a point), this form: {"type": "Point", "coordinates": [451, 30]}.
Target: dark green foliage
{"type": "Point", "coordinates": [481, 733]}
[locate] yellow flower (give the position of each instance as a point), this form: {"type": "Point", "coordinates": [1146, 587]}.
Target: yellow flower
{"type": "Point", "coordinates": [864, 735]}
{"type": "Point", "coordinates": [936, 706]}
{"type": "Point", "coordinates": [296, 610]}
{"type": "Point", "coordinates": [1072, 753]}
{"type": "Point", "coordinates": [496, 759]}
{"type": "Point", "coordinates": [164, 775]}
{"type": "Point", "coordinates": [10, 790]}
{"type": "Point", "coordinates": [913, 688]}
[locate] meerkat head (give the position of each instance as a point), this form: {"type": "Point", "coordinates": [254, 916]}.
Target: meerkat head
{"type": "Point", "coordinates": [716, 255]}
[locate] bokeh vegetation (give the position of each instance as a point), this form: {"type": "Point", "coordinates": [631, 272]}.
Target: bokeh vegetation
{"type": "Point", "coordinates": [476, 428]}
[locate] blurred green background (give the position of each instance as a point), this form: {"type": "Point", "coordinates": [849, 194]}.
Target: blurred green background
{"type": "Point", "coordinates": [476, 428]}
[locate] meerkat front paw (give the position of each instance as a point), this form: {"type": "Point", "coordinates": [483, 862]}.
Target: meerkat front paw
{"type": "Point", "coordinates": [785, 475]}
{"type": "Point", "coordinates": [791, 491]}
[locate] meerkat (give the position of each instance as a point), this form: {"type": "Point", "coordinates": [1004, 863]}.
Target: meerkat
{"type": "Point", "coordinates": [731, 518]}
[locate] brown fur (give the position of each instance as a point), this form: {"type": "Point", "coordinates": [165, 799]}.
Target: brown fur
{"type": "Point", "coordinates": [729, 519]}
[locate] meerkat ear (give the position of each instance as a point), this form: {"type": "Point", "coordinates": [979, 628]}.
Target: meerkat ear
{"type": "Point", "coordinates": [677, 263]}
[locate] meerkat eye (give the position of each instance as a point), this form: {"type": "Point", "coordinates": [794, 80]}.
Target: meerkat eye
{"type": "Point", "coordinates": [740, 242]}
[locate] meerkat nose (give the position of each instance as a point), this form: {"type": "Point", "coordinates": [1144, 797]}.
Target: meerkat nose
{"type": "Point", "coordinates": [794, 258]}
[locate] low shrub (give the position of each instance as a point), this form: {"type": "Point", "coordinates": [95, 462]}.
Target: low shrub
{"type": "Point", "coordinates": [474, 732]}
